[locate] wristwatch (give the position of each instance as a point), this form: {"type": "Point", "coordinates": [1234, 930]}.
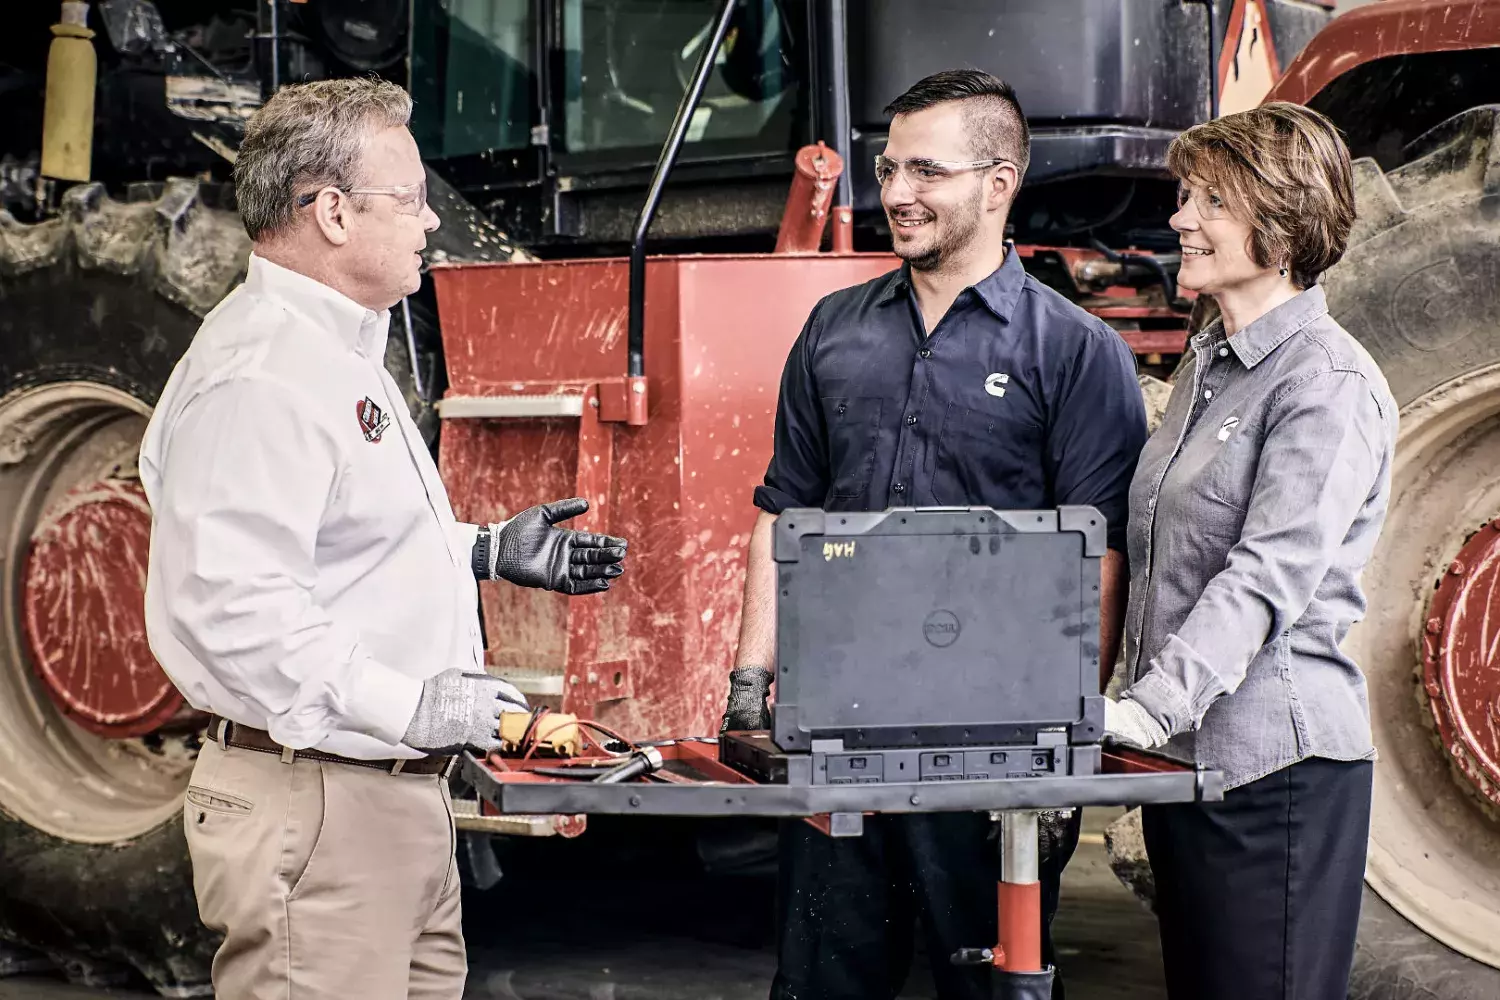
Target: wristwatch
{"type": "Point", "coordinates": [479, 561]}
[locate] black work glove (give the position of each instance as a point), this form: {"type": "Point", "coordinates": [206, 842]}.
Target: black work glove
{"type": "Point", "coordinates": [530, 552]}
{"type": "Point", "coordinates": [747, 708]}
{"type": "Point", "coordinates": [1057, 836]}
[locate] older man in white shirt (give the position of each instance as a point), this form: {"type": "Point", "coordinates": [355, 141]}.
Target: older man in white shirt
{"type": "Point", "coordinates": [309, 586]}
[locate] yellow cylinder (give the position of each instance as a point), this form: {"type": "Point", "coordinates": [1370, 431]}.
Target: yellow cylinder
{"type": "Point", "coordinates": [68, 116]}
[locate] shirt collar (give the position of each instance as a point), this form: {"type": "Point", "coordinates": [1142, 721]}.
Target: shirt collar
{"type": "Point", "coordinates": [1258, 339]}
{"type": "Point", "coordinates": [998, 292]}
{"type": "Point", "coordinates": [361, 330]}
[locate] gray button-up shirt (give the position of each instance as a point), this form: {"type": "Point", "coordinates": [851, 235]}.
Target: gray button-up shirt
{"type": "Point", "coordinates": [1253, 509]}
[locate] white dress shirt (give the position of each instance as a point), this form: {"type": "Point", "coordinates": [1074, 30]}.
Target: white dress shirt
{"type": "Point", "coordinates": [306, 571]}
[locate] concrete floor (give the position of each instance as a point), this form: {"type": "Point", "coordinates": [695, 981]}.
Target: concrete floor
{"type": "Point", "coordinates": [678, 936]}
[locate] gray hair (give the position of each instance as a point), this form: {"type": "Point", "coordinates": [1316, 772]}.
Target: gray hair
{"type": "Point", "coordinates": [309, 136]}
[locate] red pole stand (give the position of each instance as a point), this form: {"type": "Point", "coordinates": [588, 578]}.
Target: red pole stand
{"type": "Point", "coordinates": [1017, 956]}
{"type": "Point", "coordinates": [1020, 946]}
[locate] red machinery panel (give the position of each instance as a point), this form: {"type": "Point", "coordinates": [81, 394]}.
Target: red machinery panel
{"type": "Point", "coordinates": [538, 408]}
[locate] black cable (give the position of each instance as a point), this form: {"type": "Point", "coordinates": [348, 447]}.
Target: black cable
{"type": "Point", "coordinates": [643, 761]}
{"type": "Point", "coordinates": [536, 714]}
{"type": "Point", "coordinates": [1168, 283]}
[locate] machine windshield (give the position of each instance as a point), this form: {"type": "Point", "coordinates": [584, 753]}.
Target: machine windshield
{"type": "Point", "coordinates": [618, 70]}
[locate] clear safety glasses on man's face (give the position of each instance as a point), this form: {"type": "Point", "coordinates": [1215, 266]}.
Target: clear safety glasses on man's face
{"type": "Point", "coordinates": [923, 174]}
{"type": "Point", "coordinates": [410, 198]}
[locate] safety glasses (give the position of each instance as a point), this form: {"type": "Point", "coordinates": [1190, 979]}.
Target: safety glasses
{"type": "Point", "coordinates": [923, 174]}
{"type": "Point", "coordinates": [1208, 202]}
{"type": "Point", "coordinates": [410, 198]}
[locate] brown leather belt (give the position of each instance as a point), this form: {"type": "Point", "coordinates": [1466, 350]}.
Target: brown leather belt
{"type": "Point", "coordinates": [226, 733]}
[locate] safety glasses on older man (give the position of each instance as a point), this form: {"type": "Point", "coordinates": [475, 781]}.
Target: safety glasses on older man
{"type": "Point", "coordinates": [923, 174]}
{"type": "Point", "coordinates": [410, 198]}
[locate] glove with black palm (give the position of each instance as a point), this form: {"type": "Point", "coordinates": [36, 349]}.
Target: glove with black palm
{"type": "Point", "coordinates": [749, 688]}
{"type": "Point", "coordinates": [529, 551]}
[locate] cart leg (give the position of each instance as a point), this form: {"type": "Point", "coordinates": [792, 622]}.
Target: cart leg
{"type": "Point", "coordinates": [1016, 958]}
{"type": "Point", "coordinates": [1019, 974]}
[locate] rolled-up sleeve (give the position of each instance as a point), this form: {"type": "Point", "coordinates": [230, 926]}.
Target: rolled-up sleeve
{"type": "Point", "coordinates": [234, 539]}
{"type": "Point", "coordinates": [1319, 464]}
{"type": "Point", "coordinates": [798, 472]}
{"type": "Point", "coordinates": [1097, 431]}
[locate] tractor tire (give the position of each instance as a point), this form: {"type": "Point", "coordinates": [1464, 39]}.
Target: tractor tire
{"type": "Point", "coordinates": [1420, 287]}
{"type": "Point", "coordinates": [96, 306]}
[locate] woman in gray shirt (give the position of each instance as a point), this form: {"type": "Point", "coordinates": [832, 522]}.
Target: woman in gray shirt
{"type": "Point", "coordinates": [1253, 509]}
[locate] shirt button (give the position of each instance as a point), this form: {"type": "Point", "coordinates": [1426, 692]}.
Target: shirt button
{"type": "Point", "coordinates": [925, 352]}
{"type": "Point", "coordinates": [1208, 394]}
{"type": "Point", "coordinates": [899, 488]}
{"type": "Point", "coordinates": [1223, 352]}
{"type": "Point", "coordinates": [911, 419]}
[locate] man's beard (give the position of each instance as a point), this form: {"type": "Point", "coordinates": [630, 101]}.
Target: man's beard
{"type": "Point", "coordinates": [956, 231]}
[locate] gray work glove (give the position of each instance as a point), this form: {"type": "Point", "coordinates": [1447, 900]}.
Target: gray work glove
{"type": "Point", "coordinates": [460, 709]}
{"type": "Point", "coordinates": [1126, 722]}
{"type": "Point", "coordinates": [747, 708]}
{"type": "Point", "coordinates": [529, 552]}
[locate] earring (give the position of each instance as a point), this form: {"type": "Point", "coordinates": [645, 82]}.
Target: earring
{"type": "Point", "coordinates": [1283, 272]}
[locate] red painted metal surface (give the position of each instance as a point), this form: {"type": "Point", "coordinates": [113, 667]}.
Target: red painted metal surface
{"type": "Point", "coordinates": [1461, 660]}
{"type": "Point", "coordinates": [1389, 28]}
{"type": "Point", "coordinates": [83, 600]}
{"type": "Point", "coordinates": [843, 229]}
{"type": "Point", "coordinates": [816, 171]}
{"type": "Point", "coordinates": [1115, 759]}
{"type": "Point", "coordinates": [651, 656]}
{"type": "Point", "coordinates": [1020, 946]}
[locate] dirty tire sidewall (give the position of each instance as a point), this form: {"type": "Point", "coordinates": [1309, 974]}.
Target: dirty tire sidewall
{"type": "Point", "coordinates": [110, 293]}
{"type": "Point", "coordinates": [1420, 288]}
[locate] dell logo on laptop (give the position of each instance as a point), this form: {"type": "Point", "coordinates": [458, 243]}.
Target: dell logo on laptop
{"type": "Point", "coordinates": [941, 628]}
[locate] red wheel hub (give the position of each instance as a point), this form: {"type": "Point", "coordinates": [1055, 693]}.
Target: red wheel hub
{"type": "Point", "coordinates": [83, 603]}
{"type": "Point", "coordinates": [1461, 660]}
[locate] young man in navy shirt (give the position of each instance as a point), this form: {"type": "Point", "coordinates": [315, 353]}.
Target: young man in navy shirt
{"type": "Point", "coordinates": [955, 380]}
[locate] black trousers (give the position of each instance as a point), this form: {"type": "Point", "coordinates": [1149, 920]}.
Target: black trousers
{"type": "Point", "coordinates": [1257, 897]}
{"type": "Point", "coordinates": [848, 906]}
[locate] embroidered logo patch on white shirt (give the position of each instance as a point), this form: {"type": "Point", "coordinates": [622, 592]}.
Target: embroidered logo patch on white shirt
{"type": "Point", "coordinates": [371, 420]}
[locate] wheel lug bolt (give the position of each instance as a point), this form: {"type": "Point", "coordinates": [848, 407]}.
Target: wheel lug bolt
{"type": "Point", "coordinates": [1434, 626]}
{"type": "Point", "coordinates": [1456, 567]}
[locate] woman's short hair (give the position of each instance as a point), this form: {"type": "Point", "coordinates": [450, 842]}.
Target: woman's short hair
{"type": "Point", "coordinates": [1284, 169]}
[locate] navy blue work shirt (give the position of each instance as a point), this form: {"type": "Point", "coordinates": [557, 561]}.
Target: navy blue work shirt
{"type": "Point", "coordinates": [1018, 400]}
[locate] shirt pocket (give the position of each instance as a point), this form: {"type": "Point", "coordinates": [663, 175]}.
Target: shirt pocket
{"type": "Point", "coordinates": [1229, 478]}
{"type": "Point", "coordinates": [853, 433]}
{"type": "Point", "coordinates": [987, 458]}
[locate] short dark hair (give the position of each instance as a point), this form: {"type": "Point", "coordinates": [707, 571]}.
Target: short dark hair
{"type": "Point", "coordinates": [997, 126]}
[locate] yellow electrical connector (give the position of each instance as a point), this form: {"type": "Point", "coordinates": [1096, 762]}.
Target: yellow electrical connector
{"type": "Point", "coordinates": [554, 732]}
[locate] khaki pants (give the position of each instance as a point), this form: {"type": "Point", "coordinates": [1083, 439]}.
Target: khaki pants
{"type": "Point", "coordinates": [327, 880]}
